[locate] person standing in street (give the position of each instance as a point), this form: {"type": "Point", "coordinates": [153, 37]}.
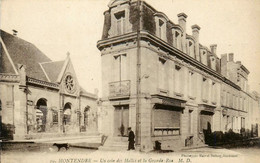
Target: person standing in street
{"type": "Point", "coordinates": [131, 139]}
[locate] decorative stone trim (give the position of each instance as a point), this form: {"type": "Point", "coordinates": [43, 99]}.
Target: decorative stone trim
{"type": "Point", "coordinates": [204, 100]}
{"type": "Point", "coordinates": [9, 77]}
{"type": "Point", "coordinates": [178, 94]}
{"type": "Point", "coordinates": [42, 83]}
{"type": "Point", "coordinates": [192, 98]}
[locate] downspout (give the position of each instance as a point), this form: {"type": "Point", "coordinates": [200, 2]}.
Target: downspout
{"type": "Point", "coordinates": [138, 77]}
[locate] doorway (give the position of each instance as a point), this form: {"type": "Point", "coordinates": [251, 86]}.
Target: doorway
{"type": "Point", "coordinates": [66, 117]}
{"type": "Point", "coordinates": [121, 120]}
{"type": "Point", "coordinates": [41, 115]}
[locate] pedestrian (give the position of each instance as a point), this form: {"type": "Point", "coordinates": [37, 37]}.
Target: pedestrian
{"type": "Point", "coordinates": [131, 139]}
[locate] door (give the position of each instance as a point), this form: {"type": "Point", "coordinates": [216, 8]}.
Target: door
{"type": "Point", "coordinates": [121, 120]}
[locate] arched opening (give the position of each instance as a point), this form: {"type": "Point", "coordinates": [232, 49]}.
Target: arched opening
{"type": "Point", "coordinates": [41, 114]}
{"type": "Point", "coordinates": [66, 113]}
{"type": "Point", "coordinates": [86, 115]}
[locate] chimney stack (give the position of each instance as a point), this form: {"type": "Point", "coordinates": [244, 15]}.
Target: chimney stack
{"type": "Point", "coordinates": [213, 49]}
{"type": "Point", "coordinates": [182, 22]}
{"type": "Point", "coordinates": [15, 32]}
{"type": "Point", "coordinates": [195, 33]}
{"type": "Point", "coordinates": [231, 57]}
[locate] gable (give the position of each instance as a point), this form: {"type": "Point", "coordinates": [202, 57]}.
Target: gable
{"type": "Point", "coordinates": [53, 69]}
{"type": "Point", "coordinates": [69, 82]}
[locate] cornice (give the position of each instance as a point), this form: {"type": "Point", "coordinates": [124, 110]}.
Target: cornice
{"type": "Point", "coordinates": [169, 49]}
{"type": "Point", "coordinates": [42, 83]}
{"type": "Point", "coordinates": [9, 78]}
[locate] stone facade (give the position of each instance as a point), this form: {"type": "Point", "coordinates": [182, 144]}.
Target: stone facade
{"type": "Point", "coordinates": [182, 86]}
{"type": "Point", "coordinates": [41, 98]}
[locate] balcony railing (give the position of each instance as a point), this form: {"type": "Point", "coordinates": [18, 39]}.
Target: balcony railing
{"type": "Point", "coordinates": [119, 89]}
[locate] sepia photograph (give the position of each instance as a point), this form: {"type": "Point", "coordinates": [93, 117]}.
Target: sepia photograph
{"type": "Point", "coordinates": [129, 81]}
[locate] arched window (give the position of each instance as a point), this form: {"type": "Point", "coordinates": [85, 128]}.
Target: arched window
{"type": "Point", "coordinates": [41, 114]}
{"type": "Point", "coordinates": [67, 113]}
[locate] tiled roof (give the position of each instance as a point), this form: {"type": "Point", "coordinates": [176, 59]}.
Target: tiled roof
{"type": "Point", "coordinates": [5, 64]}
{"type": "Point", "coordinates": [23, 52]}
{"type": "Point", "coordinates": [49, 68]}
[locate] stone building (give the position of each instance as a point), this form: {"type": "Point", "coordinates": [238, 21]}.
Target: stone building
{"type": "Point", "coordinates": [159, 80]}
{"type": "Point", "coordinates": [40, 97]}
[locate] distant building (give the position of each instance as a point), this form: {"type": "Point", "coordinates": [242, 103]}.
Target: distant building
{"type": "Point", "coordinates": [41, 98]}
{"type": "Point", "coordinates": [164, 84]}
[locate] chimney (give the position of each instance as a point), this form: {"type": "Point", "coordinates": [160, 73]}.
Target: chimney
{"type": "Point", "coordinates": [223, 64]}
{"type": "Point", "coordinates": [213, 49]}
{"type": "Point", "coordinates": [182, 22]}
{"type": "Point", "coordinates": [231, 57]}
{"type": "Point", "coordinates": [195, 33]}
{"type": "Point", "coordinates": [22, 73]}
{"type": "Point", "coordinates": [15, 32]}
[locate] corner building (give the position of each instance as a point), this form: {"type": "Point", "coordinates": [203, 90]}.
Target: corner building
{"type": "Point", "coordinates": [159, 80]}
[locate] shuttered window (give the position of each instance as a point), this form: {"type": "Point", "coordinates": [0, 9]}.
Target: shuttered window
{"type": "Point", "coordinates": [166, 122]}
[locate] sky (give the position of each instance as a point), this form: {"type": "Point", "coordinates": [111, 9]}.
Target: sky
{"type": "Point", "coordinates": [60, 26]}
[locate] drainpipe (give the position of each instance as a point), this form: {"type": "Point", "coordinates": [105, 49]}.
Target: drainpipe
{"type": "Point", "coordinates": [138, 77]}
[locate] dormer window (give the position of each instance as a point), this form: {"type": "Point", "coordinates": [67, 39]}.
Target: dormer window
{"type": "Point", "coordinates": [204, 57]}
{"type": "Point", "coordinates": [161, 28]}
{"type": "Point", "coordinates": [120, 22]}
{"type": "Point", "coordinates": [161, 24]}
{"type": "Point", "coordinates": [177, 40]}
{"type": "Point", "coordinates": [213, 63]}
{"type": "Point", "coordinates": [191, 48]}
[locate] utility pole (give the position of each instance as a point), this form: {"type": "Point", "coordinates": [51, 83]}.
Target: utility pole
{"type": "Point", "coordinates": [138, 80]}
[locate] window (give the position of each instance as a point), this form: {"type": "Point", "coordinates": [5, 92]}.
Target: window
{"type": "Point", "coordinates": [161, 30]}
{"type": "Point", "coordinates": [178, 79]}
{"type": "Point", "coordinates": [191, 49]}
{"type": "Point", "coordinates": [162, 73]}
{"type": "Point", "coordinates": [120, 67]}
{"type": "Point", "coordinates": [192, 84]}
{"type": "Point", "coordinates": [213, 63]}
{"type": "Point", "coordinates": [177, 40]}
{"type": "Point", "coordinates": [213, 92]}
{"type": "Point", "coordinates": [204, 57]}
{"type": "Point", "coordinates": [166, 121]}
{"type": "Point", "coordinates": [120, 22]}
{"type": "Point", "coordinates": [54, 116]}
{"type": "Point", "coordinates": [204, 89]}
